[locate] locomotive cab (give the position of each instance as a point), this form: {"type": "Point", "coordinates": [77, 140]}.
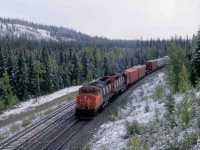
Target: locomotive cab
{"type": "Point", "coordinates": [88, 101]}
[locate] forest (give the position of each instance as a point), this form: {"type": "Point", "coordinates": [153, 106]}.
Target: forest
{"type": "Point", "coordinates": [30, 68]}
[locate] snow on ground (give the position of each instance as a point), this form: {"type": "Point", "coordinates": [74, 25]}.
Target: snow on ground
{"type": "Point", "coordinates": [29, 31]}
{"type": "Point", "coordinates": [111, 135]}
{"type": "Point", "coordinates": [30, 104]}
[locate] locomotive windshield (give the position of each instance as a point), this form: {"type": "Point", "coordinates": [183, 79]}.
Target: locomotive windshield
{"type": "Point", "coordinates": [88, 91]}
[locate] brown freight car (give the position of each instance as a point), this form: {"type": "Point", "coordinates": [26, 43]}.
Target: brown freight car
{"type": "Point", "coordinates": [141, 70]}
{"type": "Point", "coordinates": [132, 75]}
{"type": "Point", "coordinates": [151, 64]}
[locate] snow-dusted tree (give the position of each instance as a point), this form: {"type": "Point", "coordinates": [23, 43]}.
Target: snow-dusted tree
{"type": "Point", "coordinates": [38, 71]}
{"type": "Point", "coordinates": [195, 62]}
{"type": "Point", "coordinates": [3, 95]}
{"type": "Point", "coordinates": [183, 85]}
{"type": "Point", "coordinates": [2, 64]}
{"type": "Point", "coordinates": [21, 77]}
{"type": "Point", "coordinates": [32, 77]}
{"type": "Point", "coordinates": [177, 58]}
{"type": "Point", "coordinates": [46, 84]}
{"type": "Point", "coordinates": [84, 63]}
{"type": "Point", "coordinates": [170, 107]}
{"type": "Point", "coordinates": [10, 99]}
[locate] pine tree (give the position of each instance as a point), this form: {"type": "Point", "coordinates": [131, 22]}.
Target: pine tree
{"type": "Point", "coordinates": [177, 58]}
{"type": "Point", "coordinates": [21, 78]}
{"type": "Point", "coordinates": [84, 66]}
{"type": "Point", "coordinates": [75, 71]}
{"type": "Point", "coordinates": [46, 85]}
{"type": "Point", "coordinates": [183, 85]}
{"type": "Point", "coordinates": [32, 78]}
{"type": "Point", "coordinates": [10, 98]}
{"type": "Point", "coordinates": [3, 96]}
{"type": "Point", "coordinates": [38, 71]}
{"type": "Point", "coordinates": [9, 65]}
{"type": "Point", "coordinates": [195, 62]}
{"type": "Point", "coordinates": [2, 65]}
{"type": "Point", "coordinates": [106, 67]}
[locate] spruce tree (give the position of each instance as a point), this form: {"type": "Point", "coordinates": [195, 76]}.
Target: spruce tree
{"type": "Point", "coordinates": [2, 65]}
{"type": "Point", "coordinates": [21, 77]}
{"type": "Point", "coordinates": [75, 71]}
{"type": "Point", "coordinates": [183, 85]}
{"type": "Point", "coordinates": [38, 71]}
{"type": "Point", "coordinates": [195, 62]}
{"type": "Point", "coordinates": [10, 98]}
{"type": "Point", "coordinates": [84, 66]}
{"type": "Point", "coordinates": [46, 85]}
{"type": "Point", "coordinates": [106, 67]}
{"type": "Point", "coordinates": [32, 78]}
{"type": "Point", "coordinates": [177, 58]}
{"type": "Point", "coordinates": [3, 96]}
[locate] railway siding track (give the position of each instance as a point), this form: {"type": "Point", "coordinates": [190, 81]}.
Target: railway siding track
{"type": "Point", "coordinates": [63, 137]}
{"type": "Point", "coordinates": [28, 133]}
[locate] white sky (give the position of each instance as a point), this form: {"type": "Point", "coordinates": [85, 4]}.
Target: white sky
{"type": "Point", "coordinates": [118, 19]}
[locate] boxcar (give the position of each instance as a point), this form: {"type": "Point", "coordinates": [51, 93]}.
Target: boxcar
{"type": "Point", "coordinates": [132, 75]}
{"type": "Point", "coordinates": [160, 61]}
{"type": "Point", "coordinates": [151, 64]}
{"type": "Point", "coordinates": [141, 70]}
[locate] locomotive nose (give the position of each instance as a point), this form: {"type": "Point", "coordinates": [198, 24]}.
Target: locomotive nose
{"type": "Point", "coordinates": [86, 101]}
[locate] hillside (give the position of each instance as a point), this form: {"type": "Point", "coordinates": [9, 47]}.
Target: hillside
{"type": "Point", "coordinates": [17, 28]}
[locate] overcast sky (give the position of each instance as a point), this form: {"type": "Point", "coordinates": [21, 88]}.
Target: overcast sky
{"type": "Point", "coordinates": [115, 19]}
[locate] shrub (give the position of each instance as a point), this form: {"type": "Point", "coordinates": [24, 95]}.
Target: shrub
{"type": "Point", "coordinates": [14, 128]}
{"type": "Point", "coordinates": [159, 92]}
{"type": "Point", "coordinates": [27, 121]}
{"type": "Point", "coordinates": [133, 128]}
{"type": "Point", "coordinates": [2, 106]}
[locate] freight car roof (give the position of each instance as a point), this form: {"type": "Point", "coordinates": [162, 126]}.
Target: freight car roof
{"type": "Point", "coordinates": [130, 69]}
{"type": "Point", "coordinates": [139, 66]}
{"type": "Point", "coordinates": [151, 60]}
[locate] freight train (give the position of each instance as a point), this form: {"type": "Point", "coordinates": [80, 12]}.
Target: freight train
{"type": "Point", "coordinates": [94, 96]}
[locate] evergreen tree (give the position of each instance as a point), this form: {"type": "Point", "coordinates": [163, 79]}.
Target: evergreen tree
{"type": "Point", "coordinates": [75, 71]}
{"type": "Point", "coordinates": [84, 67]}
{"type": "Point", "coordinates": [9, 97]}
{"type": "Point", "coordinates": [170, 106]}
{"type": "Point", "coordinates": [106, 67]}
{"type": "Point", "coordinates": [9, 65]}
{"type": "Point", "coordinates": [38, 71]}
{"type": "Point", "coordinates": [32, 78]}
{"type": "Point", "coordinates": [183, 85]}
{"type": "Point", "coordinates": [46, 85]}
{"type": "Point", "coordinates": [3, 96]}
{"type": "Point", "coordinates": [65, 75]}
{"type": "Point", "coordinates": [177, 58]}
{"type": "Point", "coordinates": [195, 62]}
{"type": "Point", "coordinates": [2, 65]}
{"type": "Point", "coordinates": [21, 78]}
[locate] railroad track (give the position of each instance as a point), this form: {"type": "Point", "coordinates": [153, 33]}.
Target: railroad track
{"type": "Point", "coordinates": [22, 138]}
{"type": "Point", "coordinates": [64, 137]}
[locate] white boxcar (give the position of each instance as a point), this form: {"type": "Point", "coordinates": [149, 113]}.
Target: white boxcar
{"type": "Point", "coordinates": [166, 58]}
{"type": "Point", "coordinates": [161, 61]}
